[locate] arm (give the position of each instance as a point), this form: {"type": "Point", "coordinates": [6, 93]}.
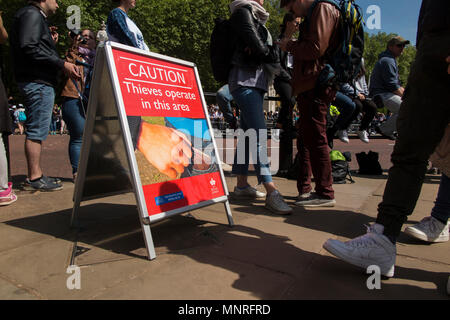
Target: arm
{"type": "Point", "coordinates": [118, 28]}
{"type": "Point", "coordinates": [3, 33]}
{"type": "Point", "coordinates": [243, 26]}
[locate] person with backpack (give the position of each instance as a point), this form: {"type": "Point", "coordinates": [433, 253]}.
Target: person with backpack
{"type": "Point", "coordinates": [252, 71]}
{"type": "Point", "coordinates": [318, 34]}
{"type": "Point", "coordinates": [419, 133]}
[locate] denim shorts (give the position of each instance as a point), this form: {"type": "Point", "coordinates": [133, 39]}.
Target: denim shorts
{"type": "Point", "coordinates": [39, 100]}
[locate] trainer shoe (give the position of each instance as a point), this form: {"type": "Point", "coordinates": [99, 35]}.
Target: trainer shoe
{"type": "Point", "coordinates": [373, 248]}
{"type": "Point", "coordinates": [44, 184]}
{"type": "Point", "coordinates": [248, 193]}
{"type": "Point", "coordinates": [314, 200]}
{"type": "Point", "coordinates": [303, 196]}
{"type": "Point", "coordinates": [276, 204]}
{"type": "Point", "coordinates": [363, 136]}
{"type": "Point", "coordinates": [8, 196]}
{"type": "Point", "coordinates": [343, 136]}
{"type": "Point", "coordinates": [429, 230]}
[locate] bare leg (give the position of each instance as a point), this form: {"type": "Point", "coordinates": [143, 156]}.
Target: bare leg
{"type": "Point", "coordinates": [33, 153]}
{"type": "Point", "coordinates": [242, 183]}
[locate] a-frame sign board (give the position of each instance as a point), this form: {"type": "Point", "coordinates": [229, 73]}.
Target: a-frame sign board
{"type": "Point", "coordinates": [147, 131]}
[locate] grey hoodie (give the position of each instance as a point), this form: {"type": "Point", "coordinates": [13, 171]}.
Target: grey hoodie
{"type": "Point", "coordinates": [384, 77]}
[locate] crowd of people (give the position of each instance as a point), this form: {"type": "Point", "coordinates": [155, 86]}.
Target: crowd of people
{"type": "Point", "coordinates": [302, 78]}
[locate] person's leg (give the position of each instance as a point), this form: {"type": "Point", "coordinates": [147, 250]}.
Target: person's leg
{"type": "Point", "coordinates": [314, 108]}
{"type": "Point", "coordinates": [250, 102]}
{"type": "Point", "coordinates": [370, 109]}
{"type": "Point", "coordinates": [392, 102]}
{"type": "Point", "coordinates": [347, 108]}
{"type": "Point", "coordinates": [435, 228]}
{"type": "Point", "coordinates": [39, 100]}
{"type": "Point", "coordinates": [441, 209]}
{"type": "Point", "coordinates": [33, 150]}
{"type": "Point", "coordinates": [223, 99]}
{"type": "Point", "coordinates": [3, 166]}
{"type": "Point", "coordinates": [284, 90]}
{"type": "Point", "coordinates": [73, 117]}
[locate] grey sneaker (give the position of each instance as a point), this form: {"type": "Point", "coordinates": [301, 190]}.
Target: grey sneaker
{"type": "Point", "coordinates": [276, 204]}
{"type": "Point", "coordinates": [373, 248]}
{"type": "Point", "coordinates": [314, 200]}
{"type": "Point", "coordinates": [248, 193]}
{"type": "Point", "coordinates": [44, 184]}
{"type": "Point", "coordinates": [429, 230]}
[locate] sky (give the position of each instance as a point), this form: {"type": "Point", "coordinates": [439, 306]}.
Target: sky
{"type": "Point", "coordinates": [397, 16]}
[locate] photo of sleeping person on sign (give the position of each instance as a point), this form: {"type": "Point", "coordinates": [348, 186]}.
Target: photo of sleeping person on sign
{"type": "Point", "coordinates": [175, 147]}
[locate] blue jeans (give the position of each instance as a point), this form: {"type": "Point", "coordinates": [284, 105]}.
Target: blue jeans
{"type": "Point", "coordinates": [73, 116]}
{"type": "Point", "coordinates": [39, 100]}
{"type": "Point", "coordinates": [250, 103]}
{"type": "Point", "coordinates": [223, 99]}
{"type": "Point", "coordinates": [441, 210]}
{"type": "Point", "coordinates": [346, 107]}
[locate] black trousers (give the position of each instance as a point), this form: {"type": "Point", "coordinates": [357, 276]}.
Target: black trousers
{"type": "Point", "coordinates": [421, 123]}
{"type": "Point", "coordinates": [284, 90]}
{"type": "Point", "coordinates": [369, 108]}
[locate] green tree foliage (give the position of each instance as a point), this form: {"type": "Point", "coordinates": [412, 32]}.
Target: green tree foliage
{"type": "Point", "coordinates": [177, 28]}
{"type": "Point", "coordinates": [376, 44]}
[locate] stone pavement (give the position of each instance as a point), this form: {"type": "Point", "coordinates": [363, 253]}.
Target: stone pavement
{"type": "Point", "coordinates": [199, 256]}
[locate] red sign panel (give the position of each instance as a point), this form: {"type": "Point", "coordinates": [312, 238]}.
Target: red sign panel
{"type": "Point", "coordinates": [174, 152]}
{"type": "Point", "coordinates": [151, 87]}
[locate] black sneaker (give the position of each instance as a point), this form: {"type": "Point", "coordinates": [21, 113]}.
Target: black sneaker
{"type": "Point", "coordinates": [44, 184]}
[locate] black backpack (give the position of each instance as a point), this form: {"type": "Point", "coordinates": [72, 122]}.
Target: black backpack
{"type": "Point", "coordinates": [346, 60]}
{"type": "Point", "coordinates": [340, 168]}
{"type": "Point", "coordinates": [368, 163]}
{"type": "Point", "coordinates": [222, 46]}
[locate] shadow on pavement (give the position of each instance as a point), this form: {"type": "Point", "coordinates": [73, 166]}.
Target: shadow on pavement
{"type": "Point", "coordinates": [266, 265]}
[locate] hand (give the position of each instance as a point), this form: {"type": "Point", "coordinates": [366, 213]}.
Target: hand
{"type": "Point", "coordinates": [168, 150]}
{"type": "Point", "coordinates": [283, 43]}
{"type": "Point", "coordinates": [361, 97]}
{"type": "Point", "coordinates": [71, 71]}
{"type": "Point", "coordinates": [448, 61]}
{"type": "Point", "coordinates": [55, 35]}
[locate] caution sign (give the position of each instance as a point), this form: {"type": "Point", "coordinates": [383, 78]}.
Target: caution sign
{"type": "Point", "coordinates": [148, 131]}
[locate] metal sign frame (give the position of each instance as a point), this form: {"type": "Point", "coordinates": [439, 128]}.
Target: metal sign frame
{"type": "Point", "coordinates": [105, 63]}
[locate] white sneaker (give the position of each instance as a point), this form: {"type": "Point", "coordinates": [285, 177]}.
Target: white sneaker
{"type": "Point", "coordinates": [429, 230]}
{"type": "Point", "coordinates": [248, 193]}
{"type": "Point", "coordinates": [276, 203]}
{"type": "Point", "coordinates": [363, 136]}
{"type": "Point", "coordinates": [343, 136]}
{"type": "Point", "coordinates": [373, 248]}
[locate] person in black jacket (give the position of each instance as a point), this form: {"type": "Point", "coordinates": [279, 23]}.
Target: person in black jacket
{"type": "Point", "coordinates": [252, 71]}
{"type": "Point", "coordinates": [37, 68]}
{"type": "Point", "coordinates": [283, 88]}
